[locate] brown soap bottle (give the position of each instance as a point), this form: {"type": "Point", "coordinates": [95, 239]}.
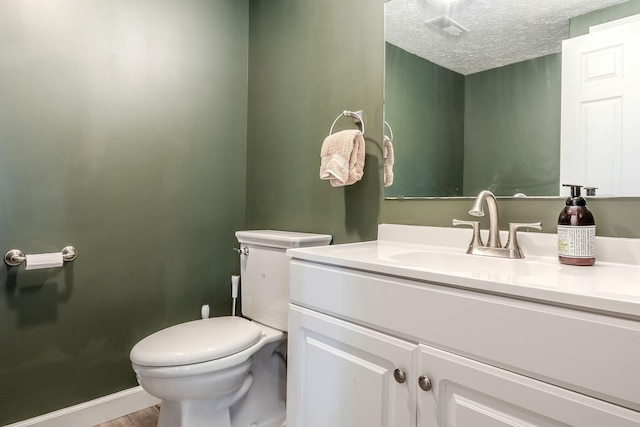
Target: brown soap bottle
{"type": "Point", "coordinates": [576, 231]}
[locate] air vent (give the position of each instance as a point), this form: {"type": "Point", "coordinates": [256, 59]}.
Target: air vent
{"type": "Point", "coordinates": [446, 25]}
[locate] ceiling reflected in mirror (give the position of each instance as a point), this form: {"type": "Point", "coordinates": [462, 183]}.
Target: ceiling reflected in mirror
{"type": "Point", "coordinates": [469, 36]}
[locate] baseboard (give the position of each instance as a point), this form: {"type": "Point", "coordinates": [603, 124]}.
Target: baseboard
{"type": "Point", "coordinates": [93, 412]}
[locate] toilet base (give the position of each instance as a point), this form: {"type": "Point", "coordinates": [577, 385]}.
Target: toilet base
{"type": "Point", "coordinates": [265, 402]}
{"type": "Point", "coordinates": [192, 414]}
{"type": "Point", "coordinates": [201, 413]}
{"type": "Point", "coordinates": [234, 392]}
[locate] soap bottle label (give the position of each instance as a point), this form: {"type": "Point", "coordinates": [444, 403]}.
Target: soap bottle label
{"type": "Point", "coordinates": [577, 242]}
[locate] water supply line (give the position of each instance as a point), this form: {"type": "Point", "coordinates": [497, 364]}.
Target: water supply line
{"type": "Point", "coordinates": [235, 280]}
{"type": "Point", "coordinates": [204, 311]}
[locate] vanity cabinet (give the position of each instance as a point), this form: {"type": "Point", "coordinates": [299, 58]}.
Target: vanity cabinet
{"type": "Point", "coordinates": [344, 375]}
{"type": "Point", "coordinates": [371, 350]}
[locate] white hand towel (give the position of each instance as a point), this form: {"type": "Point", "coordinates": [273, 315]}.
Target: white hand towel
{"type": "Point", "coordinates": [342, 158]}
{"type": "Point", "coordinates": [387, 154]}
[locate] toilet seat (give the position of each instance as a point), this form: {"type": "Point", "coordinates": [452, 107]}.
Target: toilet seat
{"type": "Point", "coordinates": [196, 341]}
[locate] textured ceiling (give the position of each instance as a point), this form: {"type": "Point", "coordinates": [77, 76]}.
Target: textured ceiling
{"type": "Point", "coordinates": [500, 32]}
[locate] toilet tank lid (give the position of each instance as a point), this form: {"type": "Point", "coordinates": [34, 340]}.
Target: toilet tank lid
{"type": "Point", "coordinates": [282, 239]}
{"type": "Point", "coordinates": [196, 341]}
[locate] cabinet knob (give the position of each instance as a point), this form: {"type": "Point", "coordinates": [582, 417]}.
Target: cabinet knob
{"type": "Point", "coordinates": [424, 382]}
{"type": "Point", "coordinates": [399, 375]}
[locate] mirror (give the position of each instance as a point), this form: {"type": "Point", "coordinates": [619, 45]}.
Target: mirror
{"type": "Point", "coordinates": [473, 92]}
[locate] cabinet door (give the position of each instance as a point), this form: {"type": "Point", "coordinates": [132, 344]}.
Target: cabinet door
{"type": "Point", "coordinates": [343, 375]}
{"type": "Point", "coordinates": [467, 393]}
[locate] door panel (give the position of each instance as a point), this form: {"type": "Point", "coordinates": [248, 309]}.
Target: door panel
{"type": "Point", "coordinates": [467, 393]}
{"type": "Point", "coordinates": [342, 375]}
{"type": "Point", "coordinates": [600, 106]}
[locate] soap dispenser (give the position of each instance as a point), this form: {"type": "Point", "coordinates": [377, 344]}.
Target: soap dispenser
{"type": "Point", "coordinates": [576, 231]}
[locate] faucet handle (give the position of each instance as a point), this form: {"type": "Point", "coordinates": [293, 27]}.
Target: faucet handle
{"type": "Point", "coordinates": [476, 240]}
{"type": "Point", "coordinates": [512, 243]}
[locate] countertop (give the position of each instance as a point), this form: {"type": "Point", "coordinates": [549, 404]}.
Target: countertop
{"type": "Point", "coordinates": [437, 255]}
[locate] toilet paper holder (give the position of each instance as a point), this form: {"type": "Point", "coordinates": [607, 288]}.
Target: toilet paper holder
{"type": "Point", "coordinates": [15, 257]}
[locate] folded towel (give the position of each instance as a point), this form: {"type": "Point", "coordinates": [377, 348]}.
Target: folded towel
{"type": "Point", "coordinates": [387, 155]}
{"type": "Point", "coordinates": [342, 157]}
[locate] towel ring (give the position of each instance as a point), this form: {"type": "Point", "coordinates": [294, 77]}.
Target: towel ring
{"type": "Point", "coordinates": [356, 115]}
{"type": "Point", "coordinates": [390, 130]}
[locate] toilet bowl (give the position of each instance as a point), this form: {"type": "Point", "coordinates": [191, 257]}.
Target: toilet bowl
{"type": "Point", "coordinates": [229, 371]}
{"type": "Point", "coordinates": [207, 373]}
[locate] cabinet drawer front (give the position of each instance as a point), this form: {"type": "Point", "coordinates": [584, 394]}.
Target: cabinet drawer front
{"type": "Point", "coordinates": [587, 352]}
{"type": "Point", "coordinates": [342, 375]}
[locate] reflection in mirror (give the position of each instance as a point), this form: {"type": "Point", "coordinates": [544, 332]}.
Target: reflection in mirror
{"type": "Point", "coordinates": [473, 92]}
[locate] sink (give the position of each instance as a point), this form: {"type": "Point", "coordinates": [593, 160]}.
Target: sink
{"type": "Point", "coordinates": [473, 264]}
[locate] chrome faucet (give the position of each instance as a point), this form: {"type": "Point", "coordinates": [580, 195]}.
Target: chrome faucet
{"type": "Point", "coordinates": [494, 223]}
{"type": "Point", "coordinates": [493, 246]}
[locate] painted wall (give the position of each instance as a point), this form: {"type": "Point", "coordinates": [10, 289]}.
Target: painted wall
{"type": "Point", "coordinates": [425, 107]}
{"type": "Point", "coordinates": [512, 128]}
{"type": "Point", "coordinates": [123, 133]}
{"type": "Point", "coordinates": [498, 129]}
{"type": "Point", "coordinates": [580, 25]}
{"type": "Point", "coordinates": [309, 61]}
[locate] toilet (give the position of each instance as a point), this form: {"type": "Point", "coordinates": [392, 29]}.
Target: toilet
{"type": "Point", "coordinates": [229, 371]}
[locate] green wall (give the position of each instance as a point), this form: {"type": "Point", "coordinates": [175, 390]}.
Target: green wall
{"type": "Point", "coordinates": [309, 61]}
{"type": "Point", "coordinates": [123, 133]}
{"type": "Point", "coordinates": [580, 25]}
{"type": "Point", "coordinates": [512, 128]}
{"type": "Point", "coordinates": [425, 107]}
{"type": "Point", "coordinates": [457, 135]}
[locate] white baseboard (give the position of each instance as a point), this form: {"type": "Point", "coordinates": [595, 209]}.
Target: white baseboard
{"type": "Point", "coordinates": [93, 412]}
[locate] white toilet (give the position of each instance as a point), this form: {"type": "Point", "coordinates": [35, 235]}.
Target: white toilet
{"type": "Point", "coordinates": [229, 371]}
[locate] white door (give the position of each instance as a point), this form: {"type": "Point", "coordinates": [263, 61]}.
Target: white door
{"type": "Point", "coordinates": [600, 136]}
{"type": "Point", "coordinates": [467, 393]}
{"type": "Point", "coordinates": [343, 375]}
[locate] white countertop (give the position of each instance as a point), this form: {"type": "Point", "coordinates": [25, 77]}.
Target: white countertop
{"type": "Point", "coordinates": [437, 255]}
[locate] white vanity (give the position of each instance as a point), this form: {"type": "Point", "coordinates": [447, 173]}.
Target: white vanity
{"type": "Point", "coordinates": [409, 330]}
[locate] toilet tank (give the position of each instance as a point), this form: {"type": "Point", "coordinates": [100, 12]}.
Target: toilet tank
{"type": "Point", "coordinates": [264, 272]}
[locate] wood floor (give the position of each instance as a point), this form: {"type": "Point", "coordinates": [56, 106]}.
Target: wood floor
{"type": "Point", "coordinates": [144, 418]}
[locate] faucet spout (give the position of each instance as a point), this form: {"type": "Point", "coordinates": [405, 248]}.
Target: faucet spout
{"type": "Point", "coordinates": [493, 246]}
{"type": "Point", "coordinates": [494, 227]}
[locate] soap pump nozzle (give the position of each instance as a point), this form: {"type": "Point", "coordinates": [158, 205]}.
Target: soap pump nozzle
{"type": "Point", "coordinates": [575, 199]}
{"type": "Point", "coordinates": [591, 191]}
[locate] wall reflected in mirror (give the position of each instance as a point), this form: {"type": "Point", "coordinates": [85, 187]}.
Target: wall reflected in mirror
{"type": "Point", "coordinates": [476, 104]}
